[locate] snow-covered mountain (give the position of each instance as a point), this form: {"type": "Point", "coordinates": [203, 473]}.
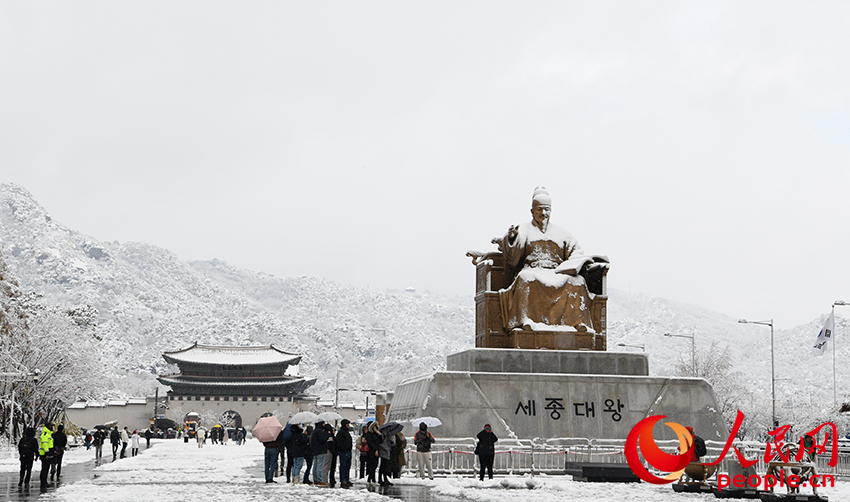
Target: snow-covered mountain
{"type": "Point", "coordinates": [150, 301]}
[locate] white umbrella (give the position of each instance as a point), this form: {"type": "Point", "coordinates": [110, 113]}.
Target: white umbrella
{"type": "Point", "coordinates": [304, 417]}
{"type": "Point", "coordinates": [429, 421]}
{"type": "Point", "coordinates": [329, 416]}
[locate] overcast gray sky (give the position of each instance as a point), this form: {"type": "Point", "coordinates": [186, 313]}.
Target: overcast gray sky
{"type": "Point", "coordinates": [703, 146]}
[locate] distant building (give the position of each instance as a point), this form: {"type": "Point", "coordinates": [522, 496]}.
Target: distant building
{"type": "Point", "coordinates": [232, 372]}
{"type": "Point", "coordinates": [231, 386]}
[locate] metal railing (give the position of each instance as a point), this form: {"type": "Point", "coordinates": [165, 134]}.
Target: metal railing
{"type": "Point", "coordinates": [455, 455]}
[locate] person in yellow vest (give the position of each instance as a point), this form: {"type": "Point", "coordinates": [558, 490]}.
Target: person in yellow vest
{"type": "Point", "coordinates": [45, 452]}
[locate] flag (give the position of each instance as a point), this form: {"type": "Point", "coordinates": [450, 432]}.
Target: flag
{"type": "Point", "coordinates": [825, 335]}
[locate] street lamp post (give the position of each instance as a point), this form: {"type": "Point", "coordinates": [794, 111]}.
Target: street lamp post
{"type": "Point", "coordinates": [641, 346]}
{"type": "Point", "coordinates": [693, 351]}
{"type": "Point", "coordinates": [772, 375]}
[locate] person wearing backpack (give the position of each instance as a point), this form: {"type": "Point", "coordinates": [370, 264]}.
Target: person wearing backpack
{"type": "Point", "coordinates": [28, 451]}
{"type": "Point", "coordinates": [699, 446]}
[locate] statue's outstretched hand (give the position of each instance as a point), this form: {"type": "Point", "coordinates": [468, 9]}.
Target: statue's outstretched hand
{"type": "Point", "coordinates": [512, 233]}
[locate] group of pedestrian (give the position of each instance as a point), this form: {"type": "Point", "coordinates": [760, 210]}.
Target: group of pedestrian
{"type": "Point", "coordinates": [318, 449]}
{"type": "Point", "coordinates": [48, 448]}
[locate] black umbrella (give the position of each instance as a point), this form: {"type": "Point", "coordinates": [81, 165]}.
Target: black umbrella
{"type": "Point", "coordinates": [391, 428]}
{"type": "Point", "coordinates": [100, 427]}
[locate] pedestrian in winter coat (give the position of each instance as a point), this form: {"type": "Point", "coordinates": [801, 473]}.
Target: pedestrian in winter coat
{"type": "Point", "coordinates": [98, 438]}
{"type": "Point", "coordinates": [60, 441]}
{"type": "Point", "coordinates": [343, 450]}
{"type": "Point", "coordinates": [423, 441]}
{"type": "Point", "coordinates": [134, 443]}
{"type": "Point", "coordinates": [298, 445]}
{"type": "Point", "coordinates": [362, 448]}
{"type": "Point", "coordinates": [319, 444]}
{"type": "Point", "coordinates": [486, 451]}
{"type": "Point", "coordinates": [308, 455]}
{"type": "Point", "coordinates": [88, 440]}
{"type": "Point", "coordinates": [148, 436]}
{"type": "Point", "coordinates": [272, 450]}
{"type": "Point", "coordinates": [286, 450]}
{"type": "Point", "coordinates": [115, 439]}
{"type": "Point", "coordinates": [27, 452]}
{"type": "Point", "coordinates": [373, 443]}
{"type": "Point", "coordinates": [329, 467]}
{"type": "Point", "coordinates": [384, 455]}
{"type": "Point", "coordinates": [45, 452]}
{"type": "Point", "coordinates": [201, 436]}
{"type": "Point", "coordinates": [125, 440]}
{"type": "Point", "coordinates": [398, 444]}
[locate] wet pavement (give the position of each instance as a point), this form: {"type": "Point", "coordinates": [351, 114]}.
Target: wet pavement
{"type": "Point", "coordinates": [9, 490]}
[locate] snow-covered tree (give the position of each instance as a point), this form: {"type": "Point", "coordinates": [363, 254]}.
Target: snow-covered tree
{"type": "Point", "coordinates": [715, 366]}
{"type": "Point", "coordinates": [61, 345]}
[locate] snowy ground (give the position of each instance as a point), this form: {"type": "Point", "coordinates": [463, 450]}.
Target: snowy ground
{"type": "Point", "coordinates": [176, 471]}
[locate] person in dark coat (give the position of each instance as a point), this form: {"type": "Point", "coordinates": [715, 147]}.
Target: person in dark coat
{"type": "Point", "coordinates": [343, 451]}
{"type": "Point", "coordinates": [28, 452]}
{"type": "Point", "coordinates": [60, 441]}
{"type": "Point", "coordinates": [319, 445]}
{"type": "Point", "coordinates": [98, 438]}
{"type": "Point", "coordinates": [308, 455]}
{"type": "Point", "coordinates": [148, 436]}
{"type": "Point", "coordinates": [486, 451]}
{"type": "Point", "coordinates": [298, 446]}
{"type": "Point", "coordinates": [115, 439]}
{"type": "Point", "coordinates": [287, 451]}
{"type": "Point", "coordinates": [373, 440]}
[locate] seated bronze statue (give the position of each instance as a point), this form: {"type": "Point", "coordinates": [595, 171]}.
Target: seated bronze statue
{"type": "Point", "coordinates": [542, 280]}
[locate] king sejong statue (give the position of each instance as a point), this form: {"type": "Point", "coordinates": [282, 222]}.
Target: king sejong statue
{"type": "Point", "coordinates": [549, 292]}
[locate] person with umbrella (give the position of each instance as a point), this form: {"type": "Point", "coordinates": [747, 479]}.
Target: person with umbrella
{"type": "Point", "coordinates": [423, 441]}
{"type": "Point", "coordinates": [98, 438]}
{"type": "Point", "coordinates": [388, 430]}
{"type": "Point", "coordinates": [272, 450]}
{"type": "Point", "coordinates": [486, 451]}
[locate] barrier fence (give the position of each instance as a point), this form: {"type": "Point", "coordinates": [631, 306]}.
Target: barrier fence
{"type": "Point", "coordinates": [455, 456]}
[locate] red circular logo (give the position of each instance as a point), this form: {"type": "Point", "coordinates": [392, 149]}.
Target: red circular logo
{"type": "Point", "coordinates": [641, 437]}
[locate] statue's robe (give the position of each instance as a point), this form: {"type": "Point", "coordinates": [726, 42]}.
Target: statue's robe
{"type": "Point", "coordinates": [541, 298]}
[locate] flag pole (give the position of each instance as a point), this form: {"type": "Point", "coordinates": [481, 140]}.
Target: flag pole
{"type": "Point", "coordinates": [834, 394]}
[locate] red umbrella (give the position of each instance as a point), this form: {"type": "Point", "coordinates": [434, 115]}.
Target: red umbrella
{"type": "Point", "coordinates": [267, 429]}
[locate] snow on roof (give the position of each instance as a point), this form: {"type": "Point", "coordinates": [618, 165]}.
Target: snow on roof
{"type": "Point", "coordinates": [231, 356]}
{"type": "Point", "coordinates": [79, 405]}
{"type": "Point", "coordinates": [116, 402]}
{"type": "Point", "coordinates": [325, 402]}
{"type": "Point", "coordinates": [180, 380]}
{"type": "Point", "coordinates": [136, 400]}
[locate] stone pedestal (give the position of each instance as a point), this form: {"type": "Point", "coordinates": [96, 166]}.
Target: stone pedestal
{"type": "Point", "coordinates": [554, 394]}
